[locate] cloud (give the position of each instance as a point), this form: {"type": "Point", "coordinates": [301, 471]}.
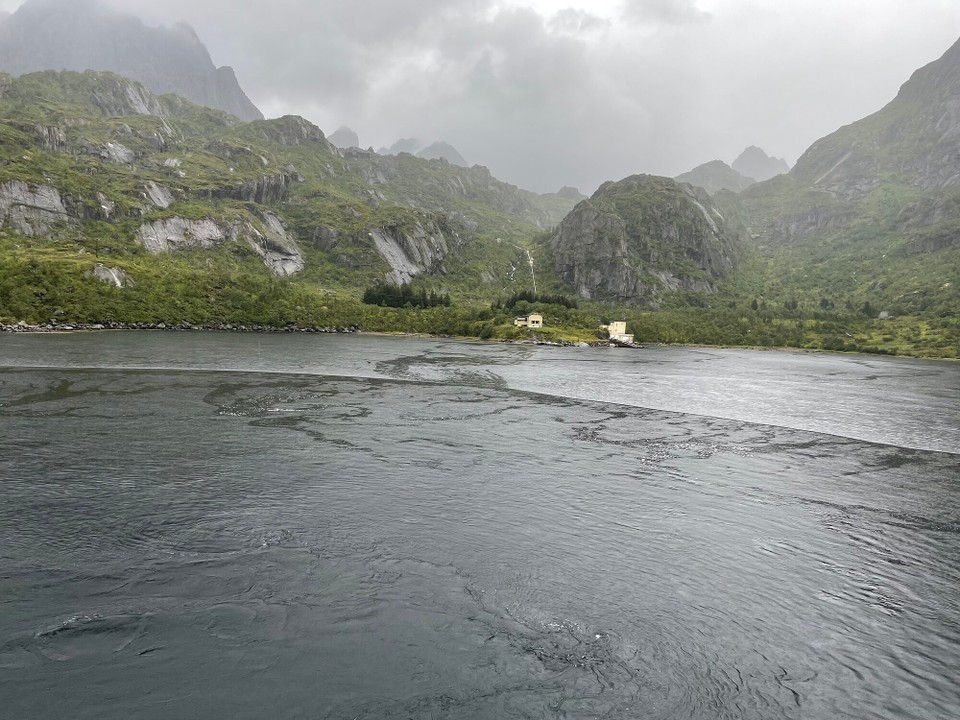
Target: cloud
{"type": "Point", "coordinates": [551, 93]}
{"type": "Point", "coordinates": [671, 12]}
{"type": "Point", "coordinates": [571, 21]}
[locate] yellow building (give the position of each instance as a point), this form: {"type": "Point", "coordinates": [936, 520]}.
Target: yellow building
{"type": "Point", "coordinates": [618, 332]}
{"type": "Point", "coordinates": [534, 320]}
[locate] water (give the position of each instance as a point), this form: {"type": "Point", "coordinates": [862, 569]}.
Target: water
{"type": "Point", "coordinates": [244, 526]}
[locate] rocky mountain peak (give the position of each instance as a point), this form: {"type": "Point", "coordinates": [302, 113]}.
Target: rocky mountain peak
{"type": "Point", "coordinates": [755, 163]}
{"type": "Point", "coordinates": [715, 176]}
{"type": "Point", "coordinates": [85, 34]}
{"type": "Point", "coordinates": [443, 151]}
{"type": "Point", "coordinates": [344, 137]}
{"type": "Point", "coordinates": [641, 236]}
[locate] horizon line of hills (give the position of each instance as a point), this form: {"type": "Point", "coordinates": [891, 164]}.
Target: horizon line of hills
{"type": "Point", "coordinates": [119, 202]}
{"type": "Point", "coordinates": [83, 35]}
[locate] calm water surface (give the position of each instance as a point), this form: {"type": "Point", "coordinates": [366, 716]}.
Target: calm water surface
{"type": "Point", "coordinates": [285, 526]}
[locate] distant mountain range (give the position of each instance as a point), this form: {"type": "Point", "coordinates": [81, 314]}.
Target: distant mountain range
{"type": "Point", "coordinates": [85, 34]}
{"type": "Point", "coordinates": [345, 138]}
{"type": "Point", "coordinates": [752, 166]}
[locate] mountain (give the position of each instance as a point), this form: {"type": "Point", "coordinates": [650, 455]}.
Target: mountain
{"type": "Point", "coordinates": [641, 237]}
{"type": "Point", "coordinates": [407, 145]}
{"type": "Point", "coordinates": [893, 175]}
{"type": "Point", "coordinates": [755, 163]}
{"type": "Point", "coordinates": [434, 151]}
{"type": "Point", "coordinates": [85, 34]}
{"type": "Point", "coordinates": [198, 210]}
{"type": "Point", "coordinates": [870, 215]}
{"type": "Point", "coordinates": [443, 151]}
{"type": "Point", "coordinates": [344, 137]}
{"type": "Point", "coordinates": [715, 176]}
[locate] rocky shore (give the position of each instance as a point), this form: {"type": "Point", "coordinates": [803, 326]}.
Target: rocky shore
{"type": "Point", "coordinates": [65, 327]}
{"type": "Point", "coordinates": [24, 327]}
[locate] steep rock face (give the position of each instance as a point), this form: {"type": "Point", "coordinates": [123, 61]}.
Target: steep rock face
{"type": "Point", "coordinates": [410, 252]}
{"type": "Point", "coordinates": [265, 190]}
{"type": "Point", "coordinates": [755, 163]}
{"type": "Point", "coordinates": [84, 34]}
{"type": "Point", "coordinates": [715, 176]}
{"type": "Point", "coordinates": [32, 210]}
{"type": "Point", "coordinates": [158, 195]}
{"type": "Point", "coordinates": [271, 242]}
{"type": "Point", "coordinates": [179, 233]}
{"type": "Point", "coordinates": [641, 236]}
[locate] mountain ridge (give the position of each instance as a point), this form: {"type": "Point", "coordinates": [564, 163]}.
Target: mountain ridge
{"type": "Point", "coordinates": [85, 34]}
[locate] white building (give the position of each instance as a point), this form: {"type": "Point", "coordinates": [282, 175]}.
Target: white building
{"type": "Point", "coordinates": [618, 332]}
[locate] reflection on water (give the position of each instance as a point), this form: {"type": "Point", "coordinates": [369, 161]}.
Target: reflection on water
{"type": "Point", "coordinates": [426, 539]}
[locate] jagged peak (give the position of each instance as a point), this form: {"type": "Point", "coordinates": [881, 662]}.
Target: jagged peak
{"type": "Point", "coordinates": [81, 34]}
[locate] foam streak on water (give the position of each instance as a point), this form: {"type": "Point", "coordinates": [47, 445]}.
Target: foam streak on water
{"type": "Point", "coordinates": [428, 539]}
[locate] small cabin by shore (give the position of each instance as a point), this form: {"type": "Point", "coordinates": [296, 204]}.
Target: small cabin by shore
{"type": "Point", "coordinates": [618, 332]}
{"type": "Point", "coordinates": [533, 320]}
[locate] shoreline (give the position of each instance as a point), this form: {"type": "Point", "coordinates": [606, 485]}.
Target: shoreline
{"type": "Point", "coordinates": [23, 327]}
{"type": "Point", "coordinates": [52, 328]}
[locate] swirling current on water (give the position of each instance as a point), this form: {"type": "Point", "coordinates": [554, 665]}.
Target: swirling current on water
{"type": "Point", "coordinates": [229, 526]}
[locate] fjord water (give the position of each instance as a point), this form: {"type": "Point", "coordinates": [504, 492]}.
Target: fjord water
{"type": "Point", "coordinates": [292, 526]}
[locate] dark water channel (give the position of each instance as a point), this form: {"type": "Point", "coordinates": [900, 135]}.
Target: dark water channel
{"type": "Point", "coordinates": [243, 526]}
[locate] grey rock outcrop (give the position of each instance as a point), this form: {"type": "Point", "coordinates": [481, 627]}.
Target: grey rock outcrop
{"type": "Point", "coordinates": [410, 253]}
{"type": "Point", "coordinates": [641, 236]}
{"type": "Point", "coordinates": [117, 153]}
{"type": "Point", "coordinates": [85, 34]}
{"type": "Point", "coordinates": [265, 189]}
{"type": "Point", "coordinates": [32, 210]}
{"type": "Point", "coordinates": [291, 131]}
{"type": "Point", "coordinates": [53, 139]}
{"type": "Point", "coordinates": [179, 234]}
{"type": "Point", "coordinates": [270, 240]}
{"type": "Point", "coordinates": [112, 276]}
{"type": "Point", "coordinates": [158, 195]}
{"type": "Point", "coordinates": [274, 245]}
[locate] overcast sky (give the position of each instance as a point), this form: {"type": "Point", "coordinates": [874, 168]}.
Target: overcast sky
{"type": "Point", "coordinates": [552, 92]}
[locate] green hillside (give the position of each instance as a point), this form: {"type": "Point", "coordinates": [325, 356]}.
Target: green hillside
{"type": "Point", "coordinates": [118, 206]}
